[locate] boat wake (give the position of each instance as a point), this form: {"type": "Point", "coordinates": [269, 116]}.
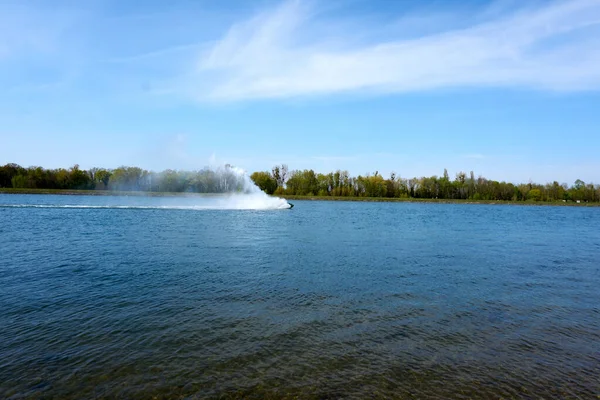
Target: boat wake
{"type": "Point", "coordinates": [234, 202]}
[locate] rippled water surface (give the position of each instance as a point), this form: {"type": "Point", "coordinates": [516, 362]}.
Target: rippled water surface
{"type": "Point", "coordinates": [327, 300]}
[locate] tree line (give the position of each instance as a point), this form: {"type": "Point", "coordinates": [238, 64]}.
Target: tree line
{"type": "Point", "coordinates": [281, 181]}
{"type": "Point", "coordinates": [464, 186]}
{"type": "Point", "coordinates": [223, 180]}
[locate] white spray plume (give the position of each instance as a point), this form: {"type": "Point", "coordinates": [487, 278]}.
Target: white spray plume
{"type": "Point", "coordinates": [252, 197]}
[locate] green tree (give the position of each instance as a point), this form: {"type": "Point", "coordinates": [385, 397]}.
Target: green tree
{"type": "Point", "coordinates": [20, 181]}
{"type": "Point", "coordinates": [265, 181]}
{"type": "Point", "coordinates": [534, 194]}
{"type": "Point", "coordinates": [8, 172]}
{"type": "Point", "coordinates": [103, 176]}
{"type": "Point", "coordinates": [79, 179]}
{"type": "Point", "coordinates": [127, 178]}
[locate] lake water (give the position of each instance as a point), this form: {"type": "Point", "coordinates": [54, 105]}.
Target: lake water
{"type": "Point", "coordinates": [327, 300]}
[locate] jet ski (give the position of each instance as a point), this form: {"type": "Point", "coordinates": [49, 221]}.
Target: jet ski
{"type": "Point", "coordinates": [291, 205]}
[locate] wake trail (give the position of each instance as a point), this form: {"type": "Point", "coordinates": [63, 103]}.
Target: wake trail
{"type": "Point", "coordinates": [282, 206]}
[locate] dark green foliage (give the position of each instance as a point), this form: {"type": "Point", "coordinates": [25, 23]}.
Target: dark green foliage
{"type": "Point", "coordinates": [265, 181]}
{"type": "Point", "coordinates": [8, 172]}
{"type": "Point", "coordinates": [298, 182]}
{"type": "Point", "coordinates": [12, 175]}
{"type": "Point", "coordinates": [79, 179]}
{"type": "Point", "coordinates": [102, 176]}
{"type": "Point", "coordinates": [303, 183]}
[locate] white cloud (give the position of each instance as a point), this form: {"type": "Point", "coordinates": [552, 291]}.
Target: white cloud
{"type": "Point", "coordinates": [552, 46]}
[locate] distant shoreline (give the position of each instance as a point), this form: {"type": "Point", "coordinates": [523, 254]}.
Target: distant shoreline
{"type": "Point", "coordinates": [292, 197]}
{"type": "Point", "coordinates": [439, 201]}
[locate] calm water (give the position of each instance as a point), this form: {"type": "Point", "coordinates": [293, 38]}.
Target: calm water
{"type": "Point", "coordinates": [328, 300]}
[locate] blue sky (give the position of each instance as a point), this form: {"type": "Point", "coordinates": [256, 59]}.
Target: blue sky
{"type": "Point", "coordinates": [508, 89]}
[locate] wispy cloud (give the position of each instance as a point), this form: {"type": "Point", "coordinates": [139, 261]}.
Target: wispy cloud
{"type": "Point", "coordinates": [474, 156]}
{"type": "Point", "coordinates": [549, 46]}
{"type": "Point", "coordinates": [305, 48]}
{"type": "Point", "coordinates": [160, 53]}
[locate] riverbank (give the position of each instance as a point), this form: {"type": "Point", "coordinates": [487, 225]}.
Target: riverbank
{"type": "Point", "coordinates": [438, 201]}
{"type": "Point", "coordinates": [291, 197]}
